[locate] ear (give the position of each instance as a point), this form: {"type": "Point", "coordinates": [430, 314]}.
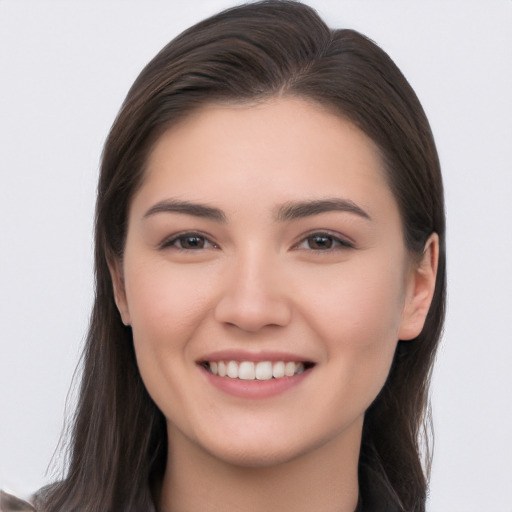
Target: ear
{"type": "Point", "coordinates": [116, 273]}
{"type": "Point", "coordinates": [420, 290]}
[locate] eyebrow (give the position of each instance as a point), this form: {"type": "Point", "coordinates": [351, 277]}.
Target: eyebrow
{"type": "Point", "coordinates": [188, 208]}
{"type": "Point", "coordinates": [286, 212]}
{"type": "Point", "coordinates": [300, 209]}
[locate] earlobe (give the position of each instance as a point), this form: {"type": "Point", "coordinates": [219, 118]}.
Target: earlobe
{"type": "Point", "coordinates": [116, 274]}
{"type": "Point", "coordinates": [420, 290]}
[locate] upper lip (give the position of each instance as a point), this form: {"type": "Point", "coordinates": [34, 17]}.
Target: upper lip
{"type": "Point", "coordinates": [255, 356]}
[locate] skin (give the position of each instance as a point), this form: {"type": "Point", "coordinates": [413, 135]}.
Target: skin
{"type": "Point", "coordinates": [336, 288]}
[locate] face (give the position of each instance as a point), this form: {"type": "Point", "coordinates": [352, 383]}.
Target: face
{"type": "Point", "coordinates": [266, 280]}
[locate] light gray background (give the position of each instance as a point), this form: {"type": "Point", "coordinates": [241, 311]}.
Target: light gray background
{"type": "Point", "coordinates": [65, 67]}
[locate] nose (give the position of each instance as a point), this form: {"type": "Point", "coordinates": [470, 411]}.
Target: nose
{"type": "Point", "coordinates": [254, 295]}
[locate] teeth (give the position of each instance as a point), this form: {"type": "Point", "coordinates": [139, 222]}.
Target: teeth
{"type": "Point", "coordinates": [232, 370]}
{"type": "Point", "coordinates": [289, 369]}
{"type": "Point", "coordinates": [264, 370]}
{"type": "Point", "coordinates": [248, 370]}
{"type": "Point", "coordinates": [278, 370]}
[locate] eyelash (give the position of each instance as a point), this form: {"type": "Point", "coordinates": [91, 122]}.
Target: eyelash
{"type": "Point", "coordinates": [173, 242]}
{"type": "Point", "coordinates": [336, 242]}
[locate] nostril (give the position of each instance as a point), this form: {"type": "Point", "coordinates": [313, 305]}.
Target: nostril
{"type": "Point", "coordinates": [253, 312]}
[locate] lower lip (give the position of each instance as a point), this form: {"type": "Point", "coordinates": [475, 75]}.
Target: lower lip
{"type": "Point", "coordinates": [255, 388]}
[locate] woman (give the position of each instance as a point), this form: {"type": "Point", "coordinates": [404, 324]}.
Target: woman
{"type": "Point", "coordinates": [270, 279]}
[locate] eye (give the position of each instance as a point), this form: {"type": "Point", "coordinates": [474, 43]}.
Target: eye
{"type": "Point", "coordinates": [188, 242]}
{"type": "Point", "coordinates": [322, 241]}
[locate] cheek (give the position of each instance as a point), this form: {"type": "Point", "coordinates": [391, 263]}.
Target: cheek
{"type": "Point", "coordinates": [358, 305]}
{"type": "Point", "coordinates": [165, 300]}
{"type": "Point", "coordinates": [358, 317]}
{"type": "Point", "coordinates": [166, 307]}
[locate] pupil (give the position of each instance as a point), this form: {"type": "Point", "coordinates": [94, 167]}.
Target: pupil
{"type": "Point", "coordinates": [193, 242]}
{"type": "Point", "coordinates": [320, 242]}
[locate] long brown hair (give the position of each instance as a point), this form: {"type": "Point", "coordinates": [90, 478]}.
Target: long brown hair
{"type": "Point", "coordinates": [256, 51]}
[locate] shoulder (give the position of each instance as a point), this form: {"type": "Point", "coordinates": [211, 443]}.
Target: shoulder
{"type": "Point", "coordinates": [11, 503]}
{"type": "Point", "coordinates": [375, 494]}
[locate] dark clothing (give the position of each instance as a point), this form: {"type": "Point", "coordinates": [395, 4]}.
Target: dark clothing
{"type": "Point", "coordinates": [11, 503]}
{"type": "Point", "coordinates": [374, 494]}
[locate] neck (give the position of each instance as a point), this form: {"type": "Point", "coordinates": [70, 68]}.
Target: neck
{"type": "Point", "coordinates": [322, 480]}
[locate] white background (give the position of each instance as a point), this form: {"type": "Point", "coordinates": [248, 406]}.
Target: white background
{"type": "Point", "coordinates": [65, 67]}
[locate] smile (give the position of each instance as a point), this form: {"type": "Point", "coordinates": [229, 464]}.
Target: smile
{"type": "Point", "coordinates": [249, 370]}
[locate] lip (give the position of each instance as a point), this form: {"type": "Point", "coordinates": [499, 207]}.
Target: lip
{"type": "Point", "coordinates": [254, 356]}
{"type": "Point", "coordinates": [253, 389]}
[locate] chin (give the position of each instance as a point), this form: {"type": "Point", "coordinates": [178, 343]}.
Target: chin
{"type": "Point", "coordinates": [267, 448]}
{"type": "Point", "coordinates": [257, 457]}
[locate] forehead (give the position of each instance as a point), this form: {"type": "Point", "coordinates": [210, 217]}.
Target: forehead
{"type": "Point", "coordinates": [276, 150]}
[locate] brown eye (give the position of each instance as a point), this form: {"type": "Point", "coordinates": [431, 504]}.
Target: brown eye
{"type": "Point", "coordinates": [191, 242]}
{"type": "Point", "coordinates": [188, 242]}
{"type": "Point", "coordinates": [324, 242]}
{"type": "Point", "coordinates": [320, 242]}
